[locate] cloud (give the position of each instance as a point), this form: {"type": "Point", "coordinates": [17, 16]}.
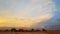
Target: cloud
{"type": "Point", "coordinates": [21, 22]}
{"type": "Point", "coordinates": [38, 8]}
{"type": "Point", "coordinates": [26, 12]}
{"type": "Point", "coordinates": [28, 9]}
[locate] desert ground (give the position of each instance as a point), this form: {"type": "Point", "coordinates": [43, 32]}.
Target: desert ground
{"type": "Point", "coordinates": [40, 32]}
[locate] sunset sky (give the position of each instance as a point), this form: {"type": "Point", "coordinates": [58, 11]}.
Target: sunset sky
{"type": "Point", "coordinates": [29, 13]}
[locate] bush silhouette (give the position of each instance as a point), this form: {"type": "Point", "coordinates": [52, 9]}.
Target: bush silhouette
{"type": "Point", "coordinates": [20, 30]}
{"type": "Point", "coordinates": [13, 30]}
{"type": "Point", "coordinates": [43, 30]}
{"type": "Point", "coordinates": [37, 30]}
{"type": "Point", "coordinates": [6, 30]}
{"type": "Point", "coordinates": [32, 30]}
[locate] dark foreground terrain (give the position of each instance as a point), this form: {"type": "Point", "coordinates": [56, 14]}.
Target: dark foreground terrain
{"type": "Point", "coordinates": [40, 32]}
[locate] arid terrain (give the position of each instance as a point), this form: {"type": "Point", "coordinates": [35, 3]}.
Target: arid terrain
{"type": "Point", "coordinates": [40, 32]}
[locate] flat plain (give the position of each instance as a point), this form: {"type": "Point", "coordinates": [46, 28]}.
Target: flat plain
{"type": "Point", "coordinates": [40, 32]}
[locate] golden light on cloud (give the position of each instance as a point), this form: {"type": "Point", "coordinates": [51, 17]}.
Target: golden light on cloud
{"type": "Point", "coordinates": [21, 22]}
{"type": "Point", "coordinates": [25, 13]}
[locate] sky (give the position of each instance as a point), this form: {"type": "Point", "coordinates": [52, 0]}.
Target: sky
{"type": "Point", "coordinates": [29, 13]}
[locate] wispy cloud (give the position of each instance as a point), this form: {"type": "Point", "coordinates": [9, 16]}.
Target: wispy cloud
{"type": "Point", "coordinates": [30, 11]}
